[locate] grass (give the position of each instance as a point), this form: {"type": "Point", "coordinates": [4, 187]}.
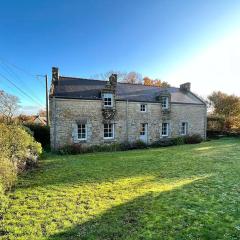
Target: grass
{"type": "Point", "coordinates": [182, 192]}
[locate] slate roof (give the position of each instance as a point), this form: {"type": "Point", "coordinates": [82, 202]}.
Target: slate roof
{"type": "Point", "coordinates": [69, 87]}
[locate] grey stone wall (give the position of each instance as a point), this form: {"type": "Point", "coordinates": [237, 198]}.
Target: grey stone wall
{"type": "Point", "coordinates": [65, 113]}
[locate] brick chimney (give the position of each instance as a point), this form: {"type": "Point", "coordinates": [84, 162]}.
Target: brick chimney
{"type": "Point", "coordinates": [186, 86]}
{"type": "Point", "coordinates": [55, 75]}
{"type": "Point", "coordinates": [113, 80]}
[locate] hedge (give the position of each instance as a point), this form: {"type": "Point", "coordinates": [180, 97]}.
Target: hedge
{"type": "Point", "coordinates": [41, 134]}
{"type": "Point", "coordinates": [19, 151]}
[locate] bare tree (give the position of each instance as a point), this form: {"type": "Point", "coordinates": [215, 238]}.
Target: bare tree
{"type": "Point", "coordinates": [42, 113]}
{"type": "Point", "coordinates": [125, 77]}
{"type": "Point", "coordinates": [9, 104]}
{"type": "Point", "coordinates": [133, 78]}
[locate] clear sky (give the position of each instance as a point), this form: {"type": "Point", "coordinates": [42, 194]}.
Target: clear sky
{"type": "Point", "coordinates": [175, 40]}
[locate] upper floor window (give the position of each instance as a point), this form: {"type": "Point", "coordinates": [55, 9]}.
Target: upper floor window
{"type": "Point", "coordinates": [165, 102]}
{"type": "Point", "coordinates": [108, 99]}
{"type": "Point", "coordinates": [165, 129]}
{"type": "Point", "coordinates": [183, 128]}
{"type": "Point", "coordinates": [143, 108]}
{"type": "Point", "coordinates": [108, 131]}
{"type": "Point", "coordinates": [82, 133]}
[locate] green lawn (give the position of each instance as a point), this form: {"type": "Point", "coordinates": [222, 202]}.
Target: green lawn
{"type": "Point", "coordinates": [182, 192]}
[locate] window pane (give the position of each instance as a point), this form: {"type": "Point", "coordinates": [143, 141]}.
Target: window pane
{"type": "Point", "coordinates": [81, 131]}
{"type": "Point", "coordinates": [165, 129]}
{"type": "Point", "coordinates": [107, 98]}
{"type": "Point", "coordinates": [108, 130]}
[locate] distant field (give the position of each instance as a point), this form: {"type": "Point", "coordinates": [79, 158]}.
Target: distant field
{"type": "Point", "coordinates": [182, 192]}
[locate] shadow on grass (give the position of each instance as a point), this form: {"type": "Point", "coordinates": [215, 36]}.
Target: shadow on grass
{"type": "Point", "coordinates": [187, 212]}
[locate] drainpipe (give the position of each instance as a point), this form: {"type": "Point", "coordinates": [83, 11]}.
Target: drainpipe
{"type": "Point", "coordinates": [54, 126]}
{"type": "Point", "coordinates": [127, 120]}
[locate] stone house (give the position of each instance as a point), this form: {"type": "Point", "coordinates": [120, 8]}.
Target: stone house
{"type": "Point", "coordinates": [94, 112]}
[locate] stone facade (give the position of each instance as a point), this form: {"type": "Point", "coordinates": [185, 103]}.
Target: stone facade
{"type": "Point", "coordinates": [65, 114]}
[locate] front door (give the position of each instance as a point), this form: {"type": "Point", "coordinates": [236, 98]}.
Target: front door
{"type": "Point", "coordinates": [144, 132]}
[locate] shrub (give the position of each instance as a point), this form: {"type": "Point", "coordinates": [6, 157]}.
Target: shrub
{"type": "Point", "coordinates": [41, 134]}
{"type": "Point", "coordinates": [72, 149]}
{"type": "Point", "coordinates": [193, 139]}
{"type": "Point", "coordinates": [138, 145]}
{"type": "Point", "coordinates": [163, 143]}
{"type": "Point", "coordinates": [178, 141]}
{"type": "Point", "coordinates": [19, 151]}
{"type": "Point", "coordinates": [124, 146]}
{"type": "Point", "coordinates": [3, 200]}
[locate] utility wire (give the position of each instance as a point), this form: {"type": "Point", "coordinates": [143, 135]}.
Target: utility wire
{"type": "Point", "coordinates": [20, 69]}
{"type": "Point", "coordinates": [7, 69]}
{"type": "Point", "coordinates": [19, 89]}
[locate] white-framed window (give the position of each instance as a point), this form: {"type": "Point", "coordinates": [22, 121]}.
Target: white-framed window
{"type": "Point", "coordinates": [143, 129]}
{"type": "Point", "coordinates": [108, 131]}
{"type": "Point", "coordinates": [165, 102]}
{"type": "Point", "coordinates": [184, 128]}
{"type": "Point", "coordinates": [82, 131]}
{"type": "Point", "coordinates": [108, 99]}
{"type": "Point", "coordinates": [165, 129]}
{"type": "Point", "coordinates": [143, 107]}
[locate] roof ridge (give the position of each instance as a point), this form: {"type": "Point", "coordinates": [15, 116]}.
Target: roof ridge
{"type": "Point", "coordinates": [125, 83]}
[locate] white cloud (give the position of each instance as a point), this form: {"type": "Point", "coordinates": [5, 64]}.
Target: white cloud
{"type": "Point", "coordinates": [216, 68]}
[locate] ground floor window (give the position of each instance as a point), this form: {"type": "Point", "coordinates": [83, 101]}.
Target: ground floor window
{"type": "Point", "coordinates": [143, 129]}
{"type": "Point", "coordinates": [109, 131]}
{"type": "Point", "coordinates": [183, 128]}
{"type": "Point", "coordinates": [82, 133]}
{"type": "Point", "coordinates": [165, 129]}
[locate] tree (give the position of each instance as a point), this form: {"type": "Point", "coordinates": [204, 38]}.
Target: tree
{"type": "Point", "coordinates": [157, 82]}
{"type": "Point", "coordinates": [125, 77]}
{"type": "Point", "coordinates": [9, 104]}
{"type": "Point", "coordinates": [227, 106]}
{"type": "Point", "coordinates": [42, 113]}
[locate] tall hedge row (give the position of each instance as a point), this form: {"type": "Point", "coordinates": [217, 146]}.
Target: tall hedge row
{"type": "Point", "coordinates": [41, 134]}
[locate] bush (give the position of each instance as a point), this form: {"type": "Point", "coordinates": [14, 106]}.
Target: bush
{"type": "Point", "coordinates": [72, 149]}
{"type": "Point", "coordinates": [193, 139]}
{"type": "Point", "coordinates": [3, 200]}
{"type": "Point", "coordinates": [124, 146]}
{"type": "Point", "coordinates": [41, 134]}
{"type": "Point", "coordinates": [19, 151]}
{"type": "Point", "coordinates": [163, 143]}
{"type": "Point", "coordinates": [178, 141]}
{"type": "Point", "coordinates": [138, 145]}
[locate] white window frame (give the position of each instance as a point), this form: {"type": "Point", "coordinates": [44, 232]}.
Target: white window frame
{"type": "Point", "coordinates": [106, 97]}
{"type": "Point", "coordinates": [143, 108]}
{"type": "Point", "coordinates": [185, 126]}
{"type": "Point", "coordinates": [113, 135]}
{"type": "Point", "coordinates": [167, 133]}
{"type": "Point", "coordinates": [165, 102]}
{"type": "Point", "coordinates": [85, 126]}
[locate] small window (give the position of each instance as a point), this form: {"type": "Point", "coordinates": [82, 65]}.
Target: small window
{"type": "Point", "coordinates": [143, 129]}
{"type": "Point", "coordinates": [108, 99]}
{"type": "Point", "coordinates": [108, 131]}
{"type": "Point", "coordinates": [82, 133]}
{"type": "Point", "coordinates": [143, 108]}
{"type": "Point", "coordinates": [183, 128]}
{"type": "Point", "coordinates": [164, 102]}
{"type": "Point", "coordinates": [165, 127]}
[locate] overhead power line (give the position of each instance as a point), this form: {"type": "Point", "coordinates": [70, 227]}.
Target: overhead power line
{"type": "Point", "coordinates": [22, 91]}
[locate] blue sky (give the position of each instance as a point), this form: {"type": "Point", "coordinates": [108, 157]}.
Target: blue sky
{"type": "Point", "coordinates": [177, 41]}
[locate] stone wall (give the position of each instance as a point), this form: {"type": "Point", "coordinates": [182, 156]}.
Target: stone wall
{"type": "Point", "coordinates": [65, 113]}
